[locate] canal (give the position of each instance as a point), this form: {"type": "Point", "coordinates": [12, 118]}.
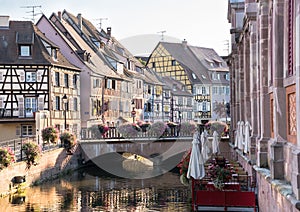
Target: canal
{"type": "Point", "coordinates": [92, 189]}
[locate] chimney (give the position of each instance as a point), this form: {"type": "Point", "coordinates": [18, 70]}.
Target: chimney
{"type": "Point", "coordinates": [109, 31]}
{"type": "Point", "coordinates": [59, 15]}
{"type": "Point", "coordinates": [4, 21]}
{"type": "Point", "coordinates": [79, 17]}
{"type": "Point", "coordinates": [184, 43]}
{"type": "Point", "coordinates": [102, 44]}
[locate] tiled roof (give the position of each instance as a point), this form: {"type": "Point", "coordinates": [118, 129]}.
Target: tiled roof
{"type": "Point", "coordinates": [207, 55]}
{"type": "Point", "coordinates": [182, 54]}
{"type": "Point", "coordinates": [170, 83]}
{"type": "Point", "coordinates": [24, 32]}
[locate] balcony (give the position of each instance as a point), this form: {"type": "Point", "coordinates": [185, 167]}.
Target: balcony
{"type": "Point", "coordinates": [201, 98]}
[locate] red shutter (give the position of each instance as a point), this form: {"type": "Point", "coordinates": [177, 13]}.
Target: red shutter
{"type": "Point", "coordinates": [291, 38]}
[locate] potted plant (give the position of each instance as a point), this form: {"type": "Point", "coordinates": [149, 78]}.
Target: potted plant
{"type": "Point", "coordinates": [219, 172]}
{"type": "Point", "coordinates": [7, 157]}
{"type": "Point", "coordinates": [220, 127]}
{"type": "Point", "coordinates": [32, 152]}
{"type": "Point", "coordinates": [68, 140]}
{"type": "Point", "coordinates": [187, 128]}
{"type": "Point", "coordinates": [50, 134]}
{"type": "Point", "coordinates": [103, 129]}
{"type": "Point", "coordinates": [158, 128]}
{"type": "Point", "coordinates": [129, 130]}
{"type": "Point", "coordinates": [145, 126]}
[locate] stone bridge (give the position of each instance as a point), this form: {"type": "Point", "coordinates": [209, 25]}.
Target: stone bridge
{"type": "Point", "coordinates": [156, 150]}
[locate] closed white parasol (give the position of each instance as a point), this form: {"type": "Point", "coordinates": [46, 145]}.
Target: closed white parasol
{"type": "Point", "coordinates": [196, 165]}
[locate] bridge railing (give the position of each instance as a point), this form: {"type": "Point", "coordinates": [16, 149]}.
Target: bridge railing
{"type": "Point", "coordinates": [113, 133]}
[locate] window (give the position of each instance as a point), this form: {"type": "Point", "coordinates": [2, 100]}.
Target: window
{"type": "Point", "coordinates": [173, 62]}
{"type": "Point", "coordinates": [203, 90]}
{"type": "Point", "coordinates": [57, 83]}
{"type": "Point", "coordinates": [30, 76]}
{"type": "Point", "coordinates": [215, 76]}
{"type": "Point", "coordinates": [30, 104]}
{"type": "Point", "coordinates": [189, 101]}
{"type": "Point", "coordinates": [180, 100]}
{"type": "Point", "coordinates": [24, 50]}
{"type": "Point", "coordinates": [54, 54]}
{"type": "Point", "coordinates": [57, 103]}
{"type": "Point", "coordinates": [194, 76]}
{"type": "Point", "coordinates": [96, 83]}
{"type": "Point", "coordinates": [66, 79]}
{"type": "Point", "coordinates": [110, 84]}
{"type": "Point", "coordinates": [204, 106]}
{"type": "Point", "coordinates": [75, 78]}
{"type": "Point", "coordinates": [153, 64]}
{"type": "Point", "coordinates": [215, 90]}
{"type": "Point", "coordinates": [227, 76]}
{"type": "Point", "coordinates": [27, 130]}
{"type": "Point", "coordinates": [75, 103]}
{"type": "Point", "coordinates": [227, 91]}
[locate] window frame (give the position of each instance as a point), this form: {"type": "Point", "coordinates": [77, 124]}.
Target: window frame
{"type": "Point", "coordinates": [25, 52]}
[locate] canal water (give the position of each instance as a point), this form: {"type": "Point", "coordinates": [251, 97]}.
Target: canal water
{"type": "Point", "coordinates": [92, 189]}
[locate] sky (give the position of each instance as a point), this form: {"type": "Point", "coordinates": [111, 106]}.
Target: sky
{"type": "Point", "coordinates": [201, 22]}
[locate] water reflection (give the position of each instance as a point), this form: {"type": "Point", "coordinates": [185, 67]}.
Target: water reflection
{"type": "Point", "coordinates": [92, 189]}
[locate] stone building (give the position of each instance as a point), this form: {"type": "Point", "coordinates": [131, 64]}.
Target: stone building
{"type": "Point", "coordinates": [264, 67]}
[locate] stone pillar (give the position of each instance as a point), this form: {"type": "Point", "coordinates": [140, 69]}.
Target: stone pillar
{"type": "Point", "coordinates": [241, 82]}
{"type": "Point", "coordinates": [237, 97]}
{"type": "Point", "coordinates": [233, 114]}
{"type": "Point", "coordinates": [246, 84]}
{"type": "Point", "coordinates": [264, 100]}
{"type": "Point", "coordinates": [295, 181]}
{"type": "Point", "coordinates": [279, 117]}
{"type": "Point", "coordinates": [253, 90]}
{"type": "Point", "coordinates": [297, 62]}
{"type": "Point", "coordinates": [277, 161]}
{"type": "Point", "coordinates": [296, 153]}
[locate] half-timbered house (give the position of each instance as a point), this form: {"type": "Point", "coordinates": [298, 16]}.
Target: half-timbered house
{"type": "Point", "coordinates": [34, 78]}
{"type": "Point", "coordinates": [201, 70]}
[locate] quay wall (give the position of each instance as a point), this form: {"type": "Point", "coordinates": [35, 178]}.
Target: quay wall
{"type": "Point", "coordinates": [51, 165]}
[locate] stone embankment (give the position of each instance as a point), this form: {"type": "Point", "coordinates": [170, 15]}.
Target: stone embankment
{"type": "Point", "coordinates": [51, 165]}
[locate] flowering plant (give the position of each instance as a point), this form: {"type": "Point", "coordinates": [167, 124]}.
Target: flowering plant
{"type": "Point", "coordinates": [32, 152]}
{"type": "Point", "coordinates": [145, 126]}
{"type": "Point", "coordinates": [183, 167]}
{"type": "Point", "coordinates": [128, 129]}
{"type": "Point", "coordinates": [68, 139]}
{"type": "Point", "coordinates": [187, 128]}
{"type": "Point", "coordinates": [103, 128]}
{"type": "Point", "coordinates": [7, 157]}
{"type": "Point", "coordinates": [50, 134]}
{"type": "Point", "coordinates": [220, 127]}
{"type": "Point", "coordinates": [171, 124]}
{"type": "Point", "coordinates": [220, 172]}
{"type": "Point", "coordinates": [158, 128]}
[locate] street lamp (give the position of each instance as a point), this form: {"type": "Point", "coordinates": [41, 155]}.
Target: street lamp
{"type": "Point", "coordinates": [65, 101]}
{"type": "Point", "coordinates": [133, 112]}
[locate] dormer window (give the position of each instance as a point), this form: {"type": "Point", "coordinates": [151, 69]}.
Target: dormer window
{"type": "Point", "coordinates": [25, 50]}
{"type": "Point", "coordinates": [54, 54]}
{"type": "Point", "coordinates": [194, 76]}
